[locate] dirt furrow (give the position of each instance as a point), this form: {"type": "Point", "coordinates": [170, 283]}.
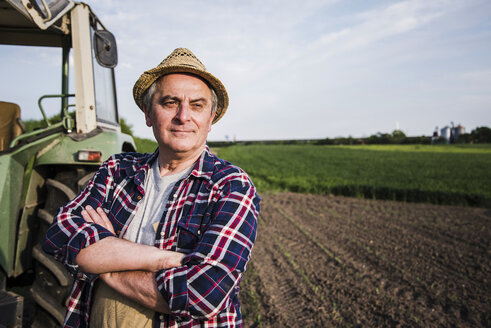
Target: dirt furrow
{"type": "Point", "coordinates": [323, 261]}
{"type": "Point", "coordinates": [291, 300]}
{"type": "Point", "coordinates": [434, 250]}
{"type": "Point", "coordinates": [311, 257]}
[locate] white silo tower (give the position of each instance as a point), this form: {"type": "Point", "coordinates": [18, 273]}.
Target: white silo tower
{"type": "Point", "coordinates": [445, 133]}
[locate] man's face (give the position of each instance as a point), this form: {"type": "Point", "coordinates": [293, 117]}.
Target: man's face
{"type": "Point", "coordinates": [180, 114]}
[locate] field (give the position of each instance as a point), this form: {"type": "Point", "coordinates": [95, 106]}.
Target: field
{"type": "Point", "coordinates": [332, 261]}
{"type": "Point", "coordinates": [454, 175]}
{"type": "Point", "coordinates": [145, 145]}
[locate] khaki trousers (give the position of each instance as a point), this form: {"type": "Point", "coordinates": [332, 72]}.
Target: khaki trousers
{"type": "Point", "coordinates": [111, 309]}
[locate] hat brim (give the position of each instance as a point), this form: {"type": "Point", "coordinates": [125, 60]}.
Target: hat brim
{"type": "Point", "coordinates": [152, 75]}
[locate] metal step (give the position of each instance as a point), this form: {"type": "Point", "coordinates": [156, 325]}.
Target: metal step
{"type": "Point", "coordinates": [53, 266]}
{"type": "Point", "coordinates": [45, 216]}
{"type": "Point", "coordinates": [47, 302]}
{"type": "Point", "coordinates": [11, 309]}
{"type": "Point", "coordinates": [62, 187]}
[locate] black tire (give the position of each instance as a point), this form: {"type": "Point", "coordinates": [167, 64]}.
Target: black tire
{"type": "Point", "coordinates": [52, 282]}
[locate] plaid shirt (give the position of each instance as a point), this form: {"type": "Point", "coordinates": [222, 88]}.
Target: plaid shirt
{"type": "Point", "coordinates": [211, 215]}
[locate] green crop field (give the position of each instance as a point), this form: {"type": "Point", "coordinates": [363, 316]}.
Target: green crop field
{"type": "Point", "coordinates": [447, 174]}
{"type": "Point", "coordinates": [145, 145]}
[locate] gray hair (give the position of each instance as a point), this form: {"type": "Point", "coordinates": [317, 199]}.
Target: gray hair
{"type": "Point", "coordinates": [148, 96]}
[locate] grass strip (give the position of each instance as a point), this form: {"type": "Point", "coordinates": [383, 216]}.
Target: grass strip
{"type": "Point", "coordinates": [453, 175]}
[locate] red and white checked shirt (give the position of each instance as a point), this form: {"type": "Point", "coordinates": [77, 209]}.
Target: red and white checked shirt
{"type": "Point", "coordinates": [211, 215]}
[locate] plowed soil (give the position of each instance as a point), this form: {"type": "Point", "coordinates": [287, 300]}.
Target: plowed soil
{"type": "Point", "coordinates": [323, 261]}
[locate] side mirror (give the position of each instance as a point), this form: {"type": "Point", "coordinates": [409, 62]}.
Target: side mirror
{"type": "Point", "coordinates": [105, 48]}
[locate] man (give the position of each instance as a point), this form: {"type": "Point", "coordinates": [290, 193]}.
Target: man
{"type": "Point", "coordinates": [161, 239]}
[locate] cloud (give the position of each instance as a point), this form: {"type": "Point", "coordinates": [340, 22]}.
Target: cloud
{"type": "Point", "coordinates": [373, 26]}
{"type": "Point", "coordinates": [315, 68]}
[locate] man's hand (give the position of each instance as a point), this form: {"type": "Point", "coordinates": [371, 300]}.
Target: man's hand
{"type": "Point", "coordinates": [97, 216]}
{"type": "Point", "coordinates": [126, 266]}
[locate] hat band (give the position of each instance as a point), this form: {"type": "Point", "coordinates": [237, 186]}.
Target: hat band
{"type": "Point", "coordinates": [189, 65]}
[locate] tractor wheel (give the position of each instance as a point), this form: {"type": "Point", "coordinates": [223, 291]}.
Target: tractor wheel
{"type": "Point", "coordinates": [52, 282]}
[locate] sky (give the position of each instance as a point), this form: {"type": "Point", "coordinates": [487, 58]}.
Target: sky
{"type": "Point", "coordinates": [296, 69]}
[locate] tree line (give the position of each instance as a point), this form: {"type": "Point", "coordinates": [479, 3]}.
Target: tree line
{"type": "Point", "coordinates": [478, 135]}
{"type": "Point", "coordinates": [397, 137]}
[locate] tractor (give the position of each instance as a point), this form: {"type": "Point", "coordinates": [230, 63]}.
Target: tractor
{"type": "Point", "coordinates": [44, 168]}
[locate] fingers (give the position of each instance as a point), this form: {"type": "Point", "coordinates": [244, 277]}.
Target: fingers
{"type": "Point", "coordinates": [97, 216]}
{"type": "Point", "coordinates": [168, 260]}
{"type": "Point", "coordinates": [90, 215]}
{"type": "Point", "coordinates": [86, 216]}
{"type": "Point", "coordinates": [107, 224]}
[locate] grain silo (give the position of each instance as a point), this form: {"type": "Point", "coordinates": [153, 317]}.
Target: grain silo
{"type": "Point", "coordinates": [445, 133]}
{"type": "Point", "coordinates": [458, 131]}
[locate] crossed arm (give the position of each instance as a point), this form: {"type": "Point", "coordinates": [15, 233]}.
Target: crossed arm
{"type": "Point", "coordinates": [127, 267]}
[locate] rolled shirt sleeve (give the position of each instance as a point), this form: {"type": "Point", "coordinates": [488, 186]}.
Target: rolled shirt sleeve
{"type": "Point", "coordinates": [202, 288]}
{"type": "Point", "coordinates": [70, 233]}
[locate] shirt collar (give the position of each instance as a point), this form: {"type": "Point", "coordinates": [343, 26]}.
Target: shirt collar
{"type": "Point", "coordinates": [142, 167]}
{"type": "Point", "coordinates": [203, 168]}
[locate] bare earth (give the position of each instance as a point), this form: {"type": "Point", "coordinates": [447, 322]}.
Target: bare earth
{"type": "Point", "coordinates": [323, 261]}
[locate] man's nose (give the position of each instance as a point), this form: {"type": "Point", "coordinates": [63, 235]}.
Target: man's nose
{"type": "Point", "coordinates": [183, 112]}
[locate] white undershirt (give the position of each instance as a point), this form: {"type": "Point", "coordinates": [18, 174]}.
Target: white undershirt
{"type": "Point", "coordinates": [152, 206]}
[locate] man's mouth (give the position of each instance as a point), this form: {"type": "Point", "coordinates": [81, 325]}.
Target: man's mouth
{"type": "Point", "coordinates": [181, 131]}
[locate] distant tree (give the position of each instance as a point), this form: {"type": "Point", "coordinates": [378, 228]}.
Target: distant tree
{"type": "Point", "coordinates": [379, 139]}
{"type": "Point", "coordinates": [126, 127]}
{"type": "Point", "coordinates": [398, 137]}
{"type": "Point", "coordinates": [422, 140]}
{"type": "Point", "coordinates": [31, 125]}
{"type": "Point", "coordinates": [325, 141]}
{"type": "Point", "coordinates": [464, 138]}
{"type": "Point", "coordinates": [481, 135]}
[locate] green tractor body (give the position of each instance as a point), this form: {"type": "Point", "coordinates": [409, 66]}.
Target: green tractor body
{"type": "Point", "coordinates": [45, 168]}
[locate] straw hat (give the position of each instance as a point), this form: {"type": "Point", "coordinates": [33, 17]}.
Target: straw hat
{"type": "Point", "coordinates": [181, 60]}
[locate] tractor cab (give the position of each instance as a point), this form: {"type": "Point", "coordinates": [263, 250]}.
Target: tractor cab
{"type": "Point", "coordinates": [75, 29]}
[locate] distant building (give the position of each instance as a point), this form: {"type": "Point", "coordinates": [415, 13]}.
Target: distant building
{"type": "Point", "coordinates": [435, 136]}
{"type": "Point", "coordinates": [458, 131]}
{"type": "Point", "coordinates": [446, 133]}
{"type": "Point", "coordinates": [451, 134]}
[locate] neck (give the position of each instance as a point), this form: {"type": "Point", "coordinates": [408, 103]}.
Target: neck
{"type": "Point", "coordinates": [172, 162]}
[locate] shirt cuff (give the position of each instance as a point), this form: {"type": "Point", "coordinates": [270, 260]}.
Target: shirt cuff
{"type": "Point", "coordinates": [172, 284]}
{"type": "Point", "coordinates": [86, 235]}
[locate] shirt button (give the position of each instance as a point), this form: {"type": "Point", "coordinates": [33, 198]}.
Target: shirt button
{"type": "Point", "coordinates": [162, 234]}
{"type": "Point", "coordinates": [139, 197]}
{"type": "Point", "coordinates": [161, 317]}
{"type": "Point", "coordinates": [175, 195]}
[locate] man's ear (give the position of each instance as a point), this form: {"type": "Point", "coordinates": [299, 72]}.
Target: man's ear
{"type": "Point", "coordinates": [148, 120]}
{"type": "Point", "coordinates": [211, 121]}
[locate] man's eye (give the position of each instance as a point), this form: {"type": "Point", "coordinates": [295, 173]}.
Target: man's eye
{"type": "Point", "coordinates": [170, 103]}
